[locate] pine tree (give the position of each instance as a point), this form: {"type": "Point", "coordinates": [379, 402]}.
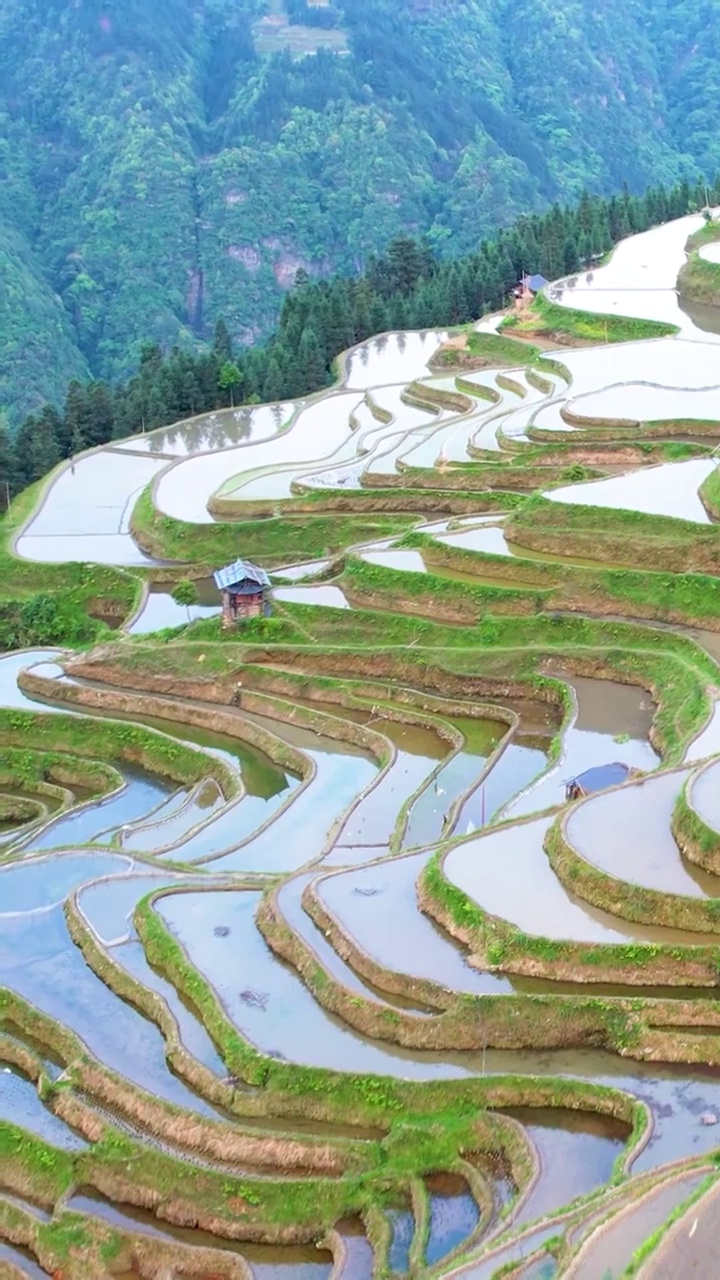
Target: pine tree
{"type": "Point", "coordinates": [99, 415]}
{"type": "Point", "coordinates": [312, 361]}
{"type": "Point", "coordinates": [273, 388]}
{"type": "Point", "coordinates": [222, 343]}
{"type": "Point", "coordinates": [76, 425]}
{"type": "Point", "coordinates": [44, 450]}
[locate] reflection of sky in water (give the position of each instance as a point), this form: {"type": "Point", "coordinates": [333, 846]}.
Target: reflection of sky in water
{"type": "Point", "coordinates": [668, 490]}
{"type": "Point", "coordinates": [38, 883]}
{"type": "Point", "coordinates": [86, 513]}
{"type": "Point", "coordinates": [43, 965]}
{"type": "Point", "coordinates": [627, 834]}
{"type": "Point", "coordinates": [710, 252]}
{"type": "Point", "coordinates": [642, 403]}
{"type": "Point", "coordinates": [140, 794]}
{"type": "Point", "coordinates": [377, 907]}
{"type": "Point", "coordinates": [20, 1105]}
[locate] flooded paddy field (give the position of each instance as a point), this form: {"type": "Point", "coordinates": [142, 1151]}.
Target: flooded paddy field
{"type": "Point", "coordinates": [324, 972]}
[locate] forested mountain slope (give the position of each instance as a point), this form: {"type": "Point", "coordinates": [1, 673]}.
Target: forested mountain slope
{"type": "Point", "coordinates": [166, 164]}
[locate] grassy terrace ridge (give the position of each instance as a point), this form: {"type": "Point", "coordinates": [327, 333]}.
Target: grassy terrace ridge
{"type": "Point", "coordinates": [334, 1096]}
{"type": "Point", "coordinates": [270, 541]}
{"type": "Point", "coordinates": [710, 494]}
{"type": "Point", "coordinates": [640, 593]}
{"type": "Point", "coordinates": [393, 502]}
{"type": "Point", "coordinates": [697, 840]}
{"type": "Point", "coordinates": [699, 279]}
{"type": "Point", "coordinates": [668, 544]}
{"type": "Point", "coordinates": [481, 660]}
{"type": "Point", "coordinates": [481, 350]}
{"type": "Point", "coordinates": [64, 603]}
{"type": "Point", "coordinates": [112, 740]}
{"type": "Point", "coordinates": [549, 321]}
{"type": "Point", "coordinates": [501, 946]}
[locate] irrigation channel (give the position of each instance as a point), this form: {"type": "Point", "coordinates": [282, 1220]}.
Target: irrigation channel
{"type": "Point", "coordinates": [310, 968]}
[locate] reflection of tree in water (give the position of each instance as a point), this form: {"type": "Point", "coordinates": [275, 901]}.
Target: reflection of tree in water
{"type": "Point", "coordinates": [212, 431]}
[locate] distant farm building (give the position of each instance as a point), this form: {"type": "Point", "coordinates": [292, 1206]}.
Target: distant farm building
{"type": "Point", "coordinates": [528, 287]}
{"type": "Point", "coordinates": [597, 779]}
{"type": "Point", "coordinates": [243, 588]}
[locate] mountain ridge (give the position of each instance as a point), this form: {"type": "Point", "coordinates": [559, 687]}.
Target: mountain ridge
{"type": "Point", "coordinates": [164, 168]}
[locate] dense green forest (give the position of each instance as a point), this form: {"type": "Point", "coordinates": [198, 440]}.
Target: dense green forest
{"type": "Point", "coordinates": [408, 286]}
{"type": "Point", "coordinates": [163, 165]}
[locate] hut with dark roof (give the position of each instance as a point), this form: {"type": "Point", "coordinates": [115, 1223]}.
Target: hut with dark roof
{"type": "Point", "coordinates": [243, 588]}
{"type": "Point", "coordinates": [597, 779]}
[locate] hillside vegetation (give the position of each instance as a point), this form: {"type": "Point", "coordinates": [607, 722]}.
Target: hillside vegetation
{"type": "Point", "coordinates": [165, 165]}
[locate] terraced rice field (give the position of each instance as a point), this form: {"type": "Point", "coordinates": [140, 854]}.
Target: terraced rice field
{"type": "Point", "coordinates": [309, 969]}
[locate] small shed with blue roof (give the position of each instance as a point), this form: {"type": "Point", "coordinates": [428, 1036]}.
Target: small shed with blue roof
{"type": "Point", "coordinates": [599, 778]}
{"type": "Point", "coordinates": [243, 587]}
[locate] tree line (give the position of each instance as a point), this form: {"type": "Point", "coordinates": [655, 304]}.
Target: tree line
{"type": "Point", "coordinates": [406, 287]}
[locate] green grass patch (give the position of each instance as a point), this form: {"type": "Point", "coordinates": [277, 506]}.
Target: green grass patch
{"type": "Point", "coordinates": [64, 603]}
{"type": "Point", "coordinates": [272, 541]}
{"type": "Point", "coordinates": [499, 349]}
{"type": "Point", "coordinates": [549, 320]}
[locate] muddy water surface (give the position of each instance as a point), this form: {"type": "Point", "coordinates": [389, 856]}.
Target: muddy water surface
{"type": "Point", "coordinates": [267, 1000]}
{"type": "Point", "coordinates": [454, 1215]}
{"type": "Point", "coordinates": [419, 751]}
{"type": "Point", "coordinates": [300, 832]}
{"type": "Point", "coordinates": [296, 1262]}
{"type": "Point", "coordinates": [377, 907]}
{"type": "Point", "coordinates": [577, 1152]}
{"type": "Point", "coordinates": [612, 724]}
{"type": "Point", "coordinates": [522, 761]}
{"type": "Point", "coordinates": [429, 814]}
{"type": "Point", "coordinates": [627, 834]}
{"type": "Point", "coordinates": [507, 872]}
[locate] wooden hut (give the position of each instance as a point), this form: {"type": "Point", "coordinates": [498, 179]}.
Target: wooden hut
{"type": "Point", "coordinates": [527, 288]}
{"type": "Point", "coordinates": [597, 779]}
{"type": "Point", "coordinates": [243, 588]}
